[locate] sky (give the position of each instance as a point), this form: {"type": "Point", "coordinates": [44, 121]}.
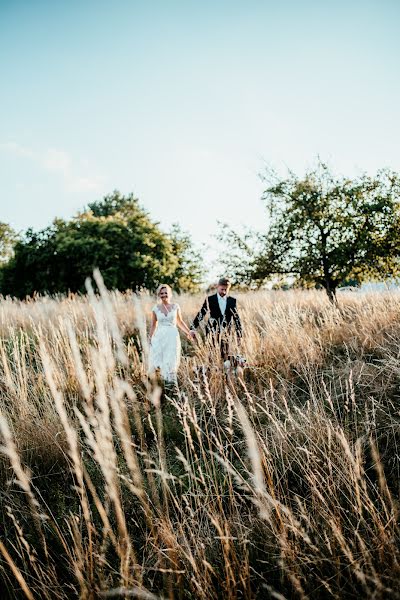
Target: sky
{"type": "Point", "coordinates": [186, 103]}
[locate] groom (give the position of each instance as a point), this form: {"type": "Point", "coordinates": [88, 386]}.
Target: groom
{"type": "Point", "coordinates": [223, 313]}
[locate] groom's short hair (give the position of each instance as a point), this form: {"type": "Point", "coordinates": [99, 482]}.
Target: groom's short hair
{"type": "Point", "coordinates": [224, 281]}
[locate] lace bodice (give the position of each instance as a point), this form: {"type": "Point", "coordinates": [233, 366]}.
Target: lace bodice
{"type": "Point", "coordinates": [166, 320]}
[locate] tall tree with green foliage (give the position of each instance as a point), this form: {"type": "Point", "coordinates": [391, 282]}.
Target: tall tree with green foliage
{"type": "Point", "coordinates": [114, 235]}
{"type": "Point", "coordinates": [324, 229]}
{"type": "Point", "coordinates": [8, 239]}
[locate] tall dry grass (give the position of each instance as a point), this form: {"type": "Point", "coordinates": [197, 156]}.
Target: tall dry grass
{"type": "Point", "coordinates": [281, 482]}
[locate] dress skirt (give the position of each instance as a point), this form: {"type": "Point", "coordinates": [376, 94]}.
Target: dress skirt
{"type": "Point", "coordinates": [165, 352]}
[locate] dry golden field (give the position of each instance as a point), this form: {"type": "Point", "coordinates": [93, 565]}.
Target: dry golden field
{"type": "Point", "coordinates": [282, 482]}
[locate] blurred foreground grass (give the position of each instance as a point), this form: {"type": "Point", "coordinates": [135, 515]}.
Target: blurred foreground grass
{"type": "Point", "coordinates": [281, 483]}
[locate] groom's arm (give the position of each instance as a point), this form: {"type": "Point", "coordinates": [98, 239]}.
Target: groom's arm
{"type": "Point", "coordinates": [200, 315]}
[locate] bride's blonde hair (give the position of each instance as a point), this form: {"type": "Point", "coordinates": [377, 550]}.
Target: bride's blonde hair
{"type": "Point", "coordinates": [164, 286]}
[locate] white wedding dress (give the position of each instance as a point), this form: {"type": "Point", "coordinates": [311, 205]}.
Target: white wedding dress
{"type": "Point", "coordinates": [165, 345]}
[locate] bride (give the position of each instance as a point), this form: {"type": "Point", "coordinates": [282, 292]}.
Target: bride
{"type": "Point", "coordinates": [165, 343]}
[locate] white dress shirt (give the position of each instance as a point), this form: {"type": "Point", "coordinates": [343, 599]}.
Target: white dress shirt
{"type": "Point", "coordinates": [222, 303]}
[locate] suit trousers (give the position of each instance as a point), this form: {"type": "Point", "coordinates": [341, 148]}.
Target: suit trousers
{"type": "Point", "coordinates": [220, 338]}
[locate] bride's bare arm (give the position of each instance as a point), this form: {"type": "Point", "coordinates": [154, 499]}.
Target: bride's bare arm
{"type": "Point", "coordinates": [182, 325]}
{"type": "Point", "coordinates": [153, 325]}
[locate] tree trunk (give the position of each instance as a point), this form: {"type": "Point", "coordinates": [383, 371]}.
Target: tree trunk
{"type": "Point", "coordinates": [330, 288]}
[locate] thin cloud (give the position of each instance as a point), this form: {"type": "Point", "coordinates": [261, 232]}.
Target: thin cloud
{"type": "Point", "coordinates": [87, 184]}
{"type": "Point", "coordinates": [57, 161]}
{"type": "Point", "coordinates": [18, 150]}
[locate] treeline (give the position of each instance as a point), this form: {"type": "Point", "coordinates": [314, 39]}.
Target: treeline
{"type": "Point", "coordinates": [115, 235]}
{"type": "Point", "coordinates": [321, 230]}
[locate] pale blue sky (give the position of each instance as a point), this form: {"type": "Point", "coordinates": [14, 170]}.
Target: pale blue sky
{"type": "Point", "coordinates": [183, 102]}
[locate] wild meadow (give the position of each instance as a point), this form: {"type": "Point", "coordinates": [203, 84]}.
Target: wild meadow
{"type": "Point", "coordinates": [279, 481]}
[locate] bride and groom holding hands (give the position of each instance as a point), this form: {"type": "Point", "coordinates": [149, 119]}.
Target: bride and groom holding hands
{"type": "Point", "coordinates": [166, 320]}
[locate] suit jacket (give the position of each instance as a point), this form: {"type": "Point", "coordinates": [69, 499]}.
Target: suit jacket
{"type": "Point", "coordinates": [216, 320]}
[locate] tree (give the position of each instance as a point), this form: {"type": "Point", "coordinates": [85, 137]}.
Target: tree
{"type": "Point", "coordinates": [115, 203]}
{"type": "Point", "coordinates": [115, 235]}
{"type": "Point", "coordinates": [324, 229]}
{"type": "Point", "coordinates": [8, 239]}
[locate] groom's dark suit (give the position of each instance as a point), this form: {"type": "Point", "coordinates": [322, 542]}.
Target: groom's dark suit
{"type": "Point", "coordinates": [219, 323]}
